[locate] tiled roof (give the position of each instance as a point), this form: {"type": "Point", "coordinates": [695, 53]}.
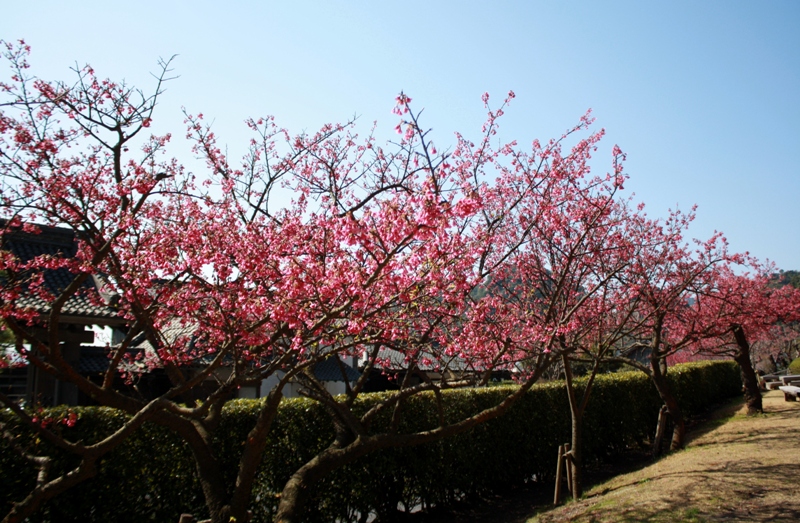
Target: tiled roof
{"type": "Point", "coordinates": [390, 359]}
{"type": "Point", "coordinates": [55, 242]}
{"type": "Point", "coordinates": [174, 330]}
{"type": "Point", "coordinates": [325, 370]}
{"type": "Point", "coordinates": [94, 360]}
{"type": "Point", "coordinates": [329, 370]}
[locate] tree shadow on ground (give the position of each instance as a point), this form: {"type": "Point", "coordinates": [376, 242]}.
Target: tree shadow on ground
{"type": "Point", "coordinates": [728, 490]}
{"type": "Point", "coordinates": [520, 503]}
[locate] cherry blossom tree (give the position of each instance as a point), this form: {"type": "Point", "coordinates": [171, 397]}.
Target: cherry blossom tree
{"type": "Point", "coordinates": [734, 312]}
{"type": "Point", "coordinates": [527, 292]}
{"type": "Point", "coordinates": [660, 280]}
{"type": "Point", "coordinates": [178, 258]}
{"type": "Point", "coordinates": [377, 249]}
{"type": "Point", "coordinates": [601, 325]}
{"type": "Point", "coordinates": [256, 291]}
{"type": "Point", "coordinates": [381, 250]}
{"type": "Point", "coordinates": [548, 291]}
{"type": "Point", "coordinates": [73, 175]}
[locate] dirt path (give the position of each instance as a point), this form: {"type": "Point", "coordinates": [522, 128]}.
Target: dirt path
{"type": "Point", "coordinates": [734, 469]}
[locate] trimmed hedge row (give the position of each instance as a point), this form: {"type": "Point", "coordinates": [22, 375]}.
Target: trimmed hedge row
{"type": "Point", "coordinates": [151, 477]}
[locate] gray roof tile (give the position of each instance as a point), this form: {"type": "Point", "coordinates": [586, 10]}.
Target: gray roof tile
{"type": "Point", "coordinates": [55, 242]}
{"type": "Point", "coordinates": [329, 370]}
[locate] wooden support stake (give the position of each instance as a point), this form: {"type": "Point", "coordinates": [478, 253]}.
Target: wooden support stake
{"type": "Point", "coordinates": [660, 428]}
{"type": "Point", "coordinates": [568, 465]}
{"type": "Point", "coordinates": [559, 475]}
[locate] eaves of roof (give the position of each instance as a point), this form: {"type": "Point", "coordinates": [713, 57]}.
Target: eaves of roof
{"type": "Point", "coordinates": [329, 370]}
{"type": "Point", "coordinates": [84, 306]}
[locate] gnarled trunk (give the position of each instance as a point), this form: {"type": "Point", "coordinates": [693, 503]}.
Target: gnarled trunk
{"type": "Point", "coordinates": [297, 490]}
{"type": "Point", "coordinates": [343, 451]}
{"type": "Point", "coordinates": [665, 392]}
{"type": "Point", "coordinates": [225, 506]}
{"type": "Point", "coordinates": [209, 469]}
{"type": "Point", "coordinates": [752, 394]}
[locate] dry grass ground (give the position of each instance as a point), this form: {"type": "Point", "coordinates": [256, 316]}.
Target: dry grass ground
{"type": "Point", "coordinates": [734, 468]}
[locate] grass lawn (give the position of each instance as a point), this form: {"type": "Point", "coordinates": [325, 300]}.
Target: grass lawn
{"type": "Point", "coordinates": [734, 468]}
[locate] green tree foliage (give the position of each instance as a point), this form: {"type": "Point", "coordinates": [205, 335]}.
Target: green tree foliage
{"type": "Point", "coordinates": [784, 278]}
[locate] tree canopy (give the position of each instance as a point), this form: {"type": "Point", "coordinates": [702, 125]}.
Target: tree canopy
{"type": "Point", "coordinates": [439, 265]}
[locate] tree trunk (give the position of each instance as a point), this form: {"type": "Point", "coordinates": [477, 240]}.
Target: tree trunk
{"type": "Point", "coordinates": [209, 469]}
{"type": "Point", "coordinates": [576, 461]}
{"type": "Point", "coordinates": [665, 392]}
{"type": "Point", "coordinates": [752, 394]}
{"type": "Point", "coordinates": [296, 492]}
{"type": "Point", "coordinates": [660, 428]}
{"type": "Point", "coordinates": [209, 474]}
{"type": "Point", "coordinates": [251, 456]}
{"type": "Point", "coordinates": [27, 507]}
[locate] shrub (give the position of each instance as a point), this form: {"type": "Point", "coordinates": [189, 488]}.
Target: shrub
{"type": "Point", "coordinates": [794, 366]}
{"type": "Point", "coordinates": [152, 474]}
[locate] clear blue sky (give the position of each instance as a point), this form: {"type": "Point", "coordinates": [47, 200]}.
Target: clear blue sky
{"type": "Point", "coordinates": [703, 96]}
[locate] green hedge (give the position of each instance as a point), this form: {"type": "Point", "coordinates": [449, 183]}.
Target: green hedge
{"type": "Point", "coordinates": [151, 477]}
